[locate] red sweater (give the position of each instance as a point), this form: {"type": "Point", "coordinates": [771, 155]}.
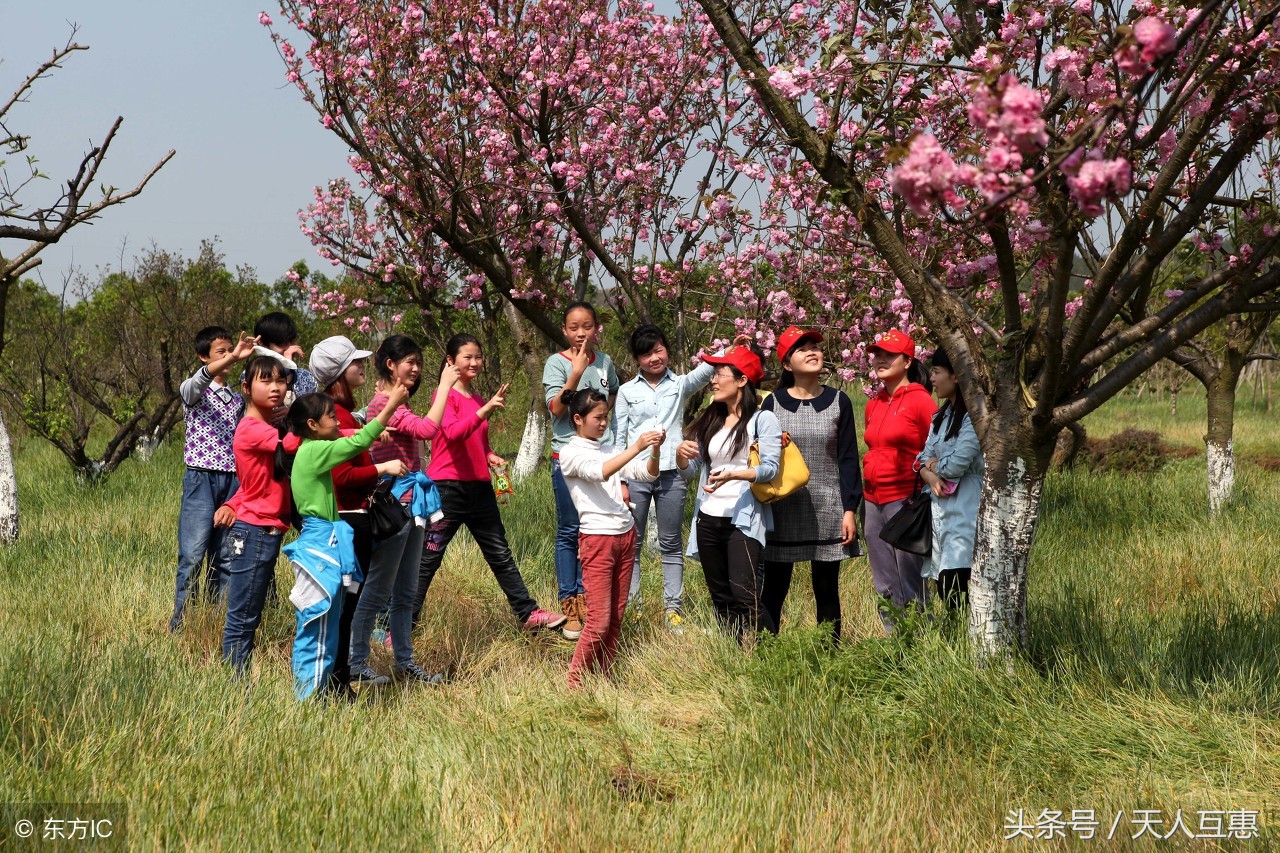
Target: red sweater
{"type": "Point", "coordinates": [353, 480]}
{"type": "Point", "coordinates": [261, 500]}
{"type": "Point", "coordinates": [895, 430]}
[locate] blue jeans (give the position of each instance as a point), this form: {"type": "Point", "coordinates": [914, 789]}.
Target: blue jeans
{"type": "Point", "coordinates": [198, 540]}
{"type": "Point", "coordinates": [392, 577]}
{"type": "Point", "coordinates": [568, 568]}
{"type": "Point", "coordinates": [249, 554]}
{"type": "Point", "coordinates": [667, 495]}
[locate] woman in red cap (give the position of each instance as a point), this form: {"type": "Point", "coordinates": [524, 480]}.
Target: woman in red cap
{"type": "Point", "coordinates": [816, 524]}
{"type": "Point", "coordinates": [896, 428]}
{"type": "Point", "coordinates": [730, 526]}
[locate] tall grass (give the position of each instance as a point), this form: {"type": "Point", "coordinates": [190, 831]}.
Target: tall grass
{"type": "Point", "coordinates": [1151, 682]}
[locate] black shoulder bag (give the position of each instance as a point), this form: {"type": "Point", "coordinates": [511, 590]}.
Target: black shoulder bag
{"type": "Point", "coordinates": [911, 528]}
{"type": "Point", "coordinates": [387, 516]}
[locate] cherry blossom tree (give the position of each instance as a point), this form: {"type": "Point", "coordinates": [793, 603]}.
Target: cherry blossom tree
{"type": "Point", "coordinates": [29, 227]}
{"type": "Point", "coordinates": [1024, 173]}
{"type": "Point", "coordinates": [534, 148]}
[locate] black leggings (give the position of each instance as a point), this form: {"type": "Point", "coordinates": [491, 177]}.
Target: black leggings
{"type": "Point", "coordinates": [826, 591]}
{"type": "Point", "coordinates": [953, 588]}
{"type": "Point", "coordinates": [730, 562]}
{"type": "Point", "coordinates": [472, 502]}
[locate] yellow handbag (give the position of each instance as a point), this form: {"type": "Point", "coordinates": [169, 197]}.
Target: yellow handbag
{"type": "Point", "coordinates": [792, 476]}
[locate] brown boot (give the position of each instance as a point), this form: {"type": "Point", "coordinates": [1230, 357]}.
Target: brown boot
{"type": "Point", "coordinates": [572, 628]}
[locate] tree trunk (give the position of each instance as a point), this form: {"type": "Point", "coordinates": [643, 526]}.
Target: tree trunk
{"type": "Point", "coordinates": [8, 489]}
{"type": "Point", "coordinates": [1220, 457]}
{"type": "Point", "coordinates": [1073, 439]}
{"type": "Point", "coordinates": [533, 441]}
{"type": "Point", "coordinates": [1007, 519]}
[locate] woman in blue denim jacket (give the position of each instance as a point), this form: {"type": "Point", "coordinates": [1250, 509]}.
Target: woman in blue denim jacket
{"type": "Point", "coordinates": [729, 530]}
{"type": "Point", "coordinates": [951, 465]}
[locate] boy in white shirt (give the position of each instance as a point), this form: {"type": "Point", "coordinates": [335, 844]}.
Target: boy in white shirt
{"type": "Point", "coordinates": [606, 532]}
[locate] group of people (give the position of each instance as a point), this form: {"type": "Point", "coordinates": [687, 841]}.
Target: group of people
{"type": "Point", "coordinates": [293, 450]}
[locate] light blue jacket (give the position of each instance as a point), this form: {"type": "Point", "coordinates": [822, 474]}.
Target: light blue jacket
{"type": "Point", "coordinates": [642, 407]}
{"type": "Point", "coordinates": [955, 518]}
{"type": "Point", "coordinates": [424, 506]}
{"type": "Point", "coordinates": [324, 559]}
{"type": "Point", "coordinates": [749, 515]}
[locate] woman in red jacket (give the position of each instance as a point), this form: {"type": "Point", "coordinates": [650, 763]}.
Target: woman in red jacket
{"type": "Point", "coordinates": [895, 429]}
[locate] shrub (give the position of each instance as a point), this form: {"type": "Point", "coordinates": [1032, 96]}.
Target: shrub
{"type": "Point", "coordinates": [1133, 451]}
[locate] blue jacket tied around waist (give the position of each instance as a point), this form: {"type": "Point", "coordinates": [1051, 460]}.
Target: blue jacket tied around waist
{"type": "Point", "coordinates": [425, 505]}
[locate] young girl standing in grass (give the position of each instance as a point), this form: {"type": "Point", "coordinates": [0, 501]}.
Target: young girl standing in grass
{"type": "Point", "coordinates": [323, 556]}
{"type": "Point", "coordinates": [393, 574]}
{"type": "Point", "coordinates": [460, 461]}
{"type": "Point", "coordinates": [655, 399]}
{"type": "Point", "coordinates": [607, 533]}
{"type": "Point", "coordinates": [258, 513]}
{"type": "Point", "coordinates": [574, 369]}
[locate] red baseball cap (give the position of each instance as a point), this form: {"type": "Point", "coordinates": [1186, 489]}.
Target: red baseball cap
{"type": "Point", "coordinates": [742, 358]}
{"type": "Point", "coordinates": [792, 338]}
{"type": "Point", "coordinates": [895, 342]}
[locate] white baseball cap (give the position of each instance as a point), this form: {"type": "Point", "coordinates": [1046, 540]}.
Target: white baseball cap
{"type": "Point", "coordinates": [331, 357]}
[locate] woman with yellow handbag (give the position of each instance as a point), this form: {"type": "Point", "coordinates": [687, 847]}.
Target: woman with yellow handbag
{"type": "Point", "coordinates": [730, 523]}
{"type": "Point", "coordinates": [817, 522]}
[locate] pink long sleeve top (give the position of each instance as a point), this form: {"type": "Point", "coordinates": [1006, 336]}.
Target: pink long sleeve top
{"type": "Point", "coordinates": [461, 450]}
{"type": "Point", "coordinates": [409, 430]}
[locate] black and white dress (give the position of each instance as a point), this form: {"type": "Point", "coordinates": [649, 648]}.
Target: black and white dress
{"type": "Point", "coordinates": [806, 524]}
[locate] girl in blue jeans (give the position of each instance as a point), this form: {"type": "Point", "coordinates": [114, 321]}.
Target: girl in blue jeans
{"type": "Point", "coordinates": [655, 400]}
{"type": "Point", "coordinates": [578, 368]}
{"type": "Point", "coordinates": [258, 514]}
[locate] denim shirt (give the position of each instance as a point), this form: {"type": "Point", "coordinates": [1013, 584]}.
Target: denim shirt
{"type": "Point", "coordinates": [642, 407]}
{"type": "Point", "coordinates": [749, 515]}
{"type": "Point", "coordinates": [955, 518]}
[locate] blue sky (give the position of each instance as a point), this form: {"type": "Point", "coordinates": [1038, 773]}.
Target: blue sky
{"type": "Point", "coordinates": [199, 77]}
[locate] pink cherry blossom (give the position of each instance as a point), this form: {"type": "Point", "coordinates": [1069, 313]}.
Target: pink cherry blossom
{"type": "Point", "coordinates": [1155, 36]}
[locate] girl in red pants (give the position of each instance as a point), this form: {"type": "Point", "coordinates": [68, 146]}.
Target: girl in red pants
{"type": "Point", "coordinates": [606, 530]}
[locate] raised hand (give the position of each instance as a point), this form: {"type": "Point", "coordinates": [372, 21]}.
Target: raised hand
{"type": "Point", "coordinates": [579, 359]}
{"type": "Point", "coordinates": [397, 396]}
{"type": "Point", "coordinates": [449, 375]}
{"type": "Point", "coordinates": [652, 438]}
{"type": "Point", "coordinates": [244, 347]}
{"type": "Point", "coordinates": [293, 352]}
{"type": "Point", "coordinates": [497, 401]}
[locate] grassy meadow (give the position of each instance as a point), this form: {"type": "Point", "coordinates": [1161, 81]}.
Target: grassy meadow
{"type": "Point", "coordinates": [1152, 682]}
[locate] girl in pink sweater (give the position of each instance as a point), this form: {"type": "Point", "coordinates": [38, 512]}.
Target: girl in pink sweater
{"type": "Point", "coordinates": [460, 460]}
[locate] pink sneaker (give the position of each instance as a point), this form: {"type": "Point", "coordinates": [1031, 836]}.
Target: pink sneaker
{"type": "Point", "coordinates": [540, 618]}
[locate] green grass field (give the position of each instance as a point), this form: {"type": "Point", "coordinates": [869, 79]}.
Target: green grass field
{"type": "Point", "coordinates": [1152, 682]}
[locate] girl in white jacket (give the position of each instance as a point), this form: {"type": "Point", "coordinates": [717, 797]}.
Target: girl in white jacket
{"type": "Point", "coordinates": [606, 532]}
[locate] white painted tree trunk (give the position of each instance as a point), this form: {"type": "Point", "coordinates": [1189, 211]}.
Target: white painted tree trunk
{"type": "Point", "coordinates": [531, 443]}
{"type": "Point", "coordinates": [1007, 521]}
{"type": "Point", "coordinates": [8, 489]}
{"type": "Point", "coordinates": [147, 445]}
{"type": "Point", "coordinates": [1220, 461]}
